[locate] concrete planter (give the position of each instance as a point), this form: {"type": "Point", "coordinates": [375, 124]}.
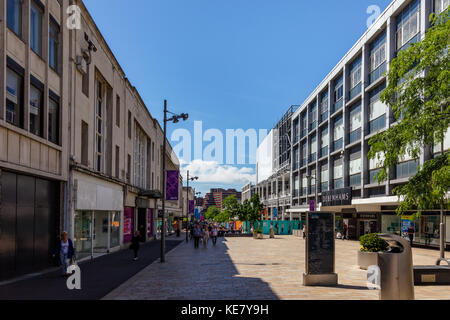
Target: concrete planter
{"type": "Point", "coordinates": [366, 259]}
{"type": "Point", "coordinates": [260, 236]}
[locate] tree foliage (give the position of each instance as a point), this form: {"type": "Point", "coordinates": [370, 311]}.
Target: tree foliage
{"type": "Point", "coordinates": [212, 212]}
{"type": "Point", "coordinates": [418, 95]}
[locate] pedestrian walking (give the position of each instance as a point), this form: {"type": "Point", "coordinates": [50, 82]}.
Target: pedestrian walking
{"type": "Point", "coordinates": [197, 234]}
{"type": "Point", "coordinates": [304, 231]}
{"type": "Point", "coordinates": [411, 235]}
{"type": "Point", "coordinates": [205, 237]}
{"type": "Point", "coordinates": [214, 235]}
{"type": "Point", "coordinates": [345, 232]}
{"type": "Point", "coordinates": [135, 244]}
{"type": "Point", "coordinates": [64, 249]}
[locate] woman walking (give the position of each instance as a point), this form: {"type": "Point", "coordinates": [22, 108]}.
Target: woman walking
{"type": "Point", "coordinates": [64, 249]}
{"type": "Point", "coordinates": [135, 244]}
{"type": "Point", "coordinates": [205, 237]}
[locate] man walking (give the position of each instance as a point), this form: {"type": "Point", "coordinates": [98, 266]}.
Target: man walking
{"type": "Point", "coordinates": [411, 234]}
{"type": "Point", "coordinates": [197, 235]}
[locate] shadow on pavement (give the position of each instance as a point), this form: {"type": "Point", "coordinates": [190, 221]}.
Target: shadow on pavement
{"type": "Point", "coordinates": [202, 274]}
{"type": "Point", "coordinates": [98, 277]}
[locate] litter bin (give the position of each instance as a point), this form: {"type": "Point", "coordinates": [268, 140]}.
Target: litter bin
{"type": "Point", "coordinates": [396, 266]}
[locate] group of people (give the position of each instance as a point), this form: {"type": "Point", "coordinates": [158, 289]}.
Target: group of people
{"type": "Point", "coordinates": [204, 232]}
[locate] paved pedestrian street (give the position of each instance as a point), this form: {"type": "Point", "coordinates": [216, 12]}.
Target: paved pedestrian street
{"type": "Point", "coordinates": [245, 268]}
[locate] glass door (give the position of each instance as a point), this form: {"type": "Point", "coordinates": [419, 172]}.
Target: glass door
{"type": "Point", "coordinates": [101, 231]}
{"type": "Point", "coordinates": [82, 234]}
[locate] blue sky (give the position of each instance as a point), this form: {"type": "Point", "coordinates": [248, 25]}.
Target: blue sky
{"type": "Point", "coordinates": [230, 64]}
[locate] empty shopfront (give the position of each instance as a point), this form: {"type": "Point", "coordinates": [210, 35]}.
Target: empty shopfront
{"type": "Point", "coordinates": [29, 223]}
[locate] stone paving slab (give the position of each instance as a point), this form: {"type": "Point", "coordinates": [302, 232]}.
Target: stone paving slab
{"type": "Point", "coordinates": [249, 269]}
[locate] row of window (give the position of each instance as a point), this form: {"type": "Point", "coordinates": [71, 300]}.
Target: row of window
{"type": "Point", "coordinates": [41, 104]}
{"type": "Point", "coordinates": [14, 21]}
{"type": "Point", "coordinates": [407, 32]}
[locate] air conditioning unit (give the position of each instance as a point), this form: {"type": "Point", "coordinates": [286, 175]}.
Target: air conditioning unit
{"type": "Point", "coordinates": [81, 64]}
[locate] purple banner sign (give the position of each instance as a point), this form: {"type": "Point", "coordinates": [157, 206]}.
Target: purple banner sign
{"type": "Point", "coordinates": [191, 206]}
{"type": "Point", "coordinates": [172, 185]}
{"type": "Point", "coordinates": [312, 205]}
{"type": "Point", "coordinates": [128, 224]}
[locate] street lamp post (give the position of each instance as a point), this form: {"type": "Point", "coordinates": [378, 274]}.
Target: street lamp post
{"type": "Point", "coordinates": [175, 119]}
{"type": "Point", "coordinates": [187, 201]}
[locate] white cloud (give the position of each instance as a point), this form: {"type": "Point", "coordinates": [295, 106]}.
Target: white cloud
{"type": "Point", "coordinates": [213, 172]}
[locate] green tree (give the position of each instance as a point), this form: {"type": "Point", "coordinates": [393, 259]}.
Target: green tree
{"type": "Point", "coordinates": [222, 217]}
{"type": "Point", "coordinates": [231, 206]}
{"type": "Point", "coordinates": [256, 208]}
{"type": "Point", "coordinates": [212, 212]}
{"type": "Point", "coordinates": [418, 95]}
{"type": "Point", "coordinates": [245, 211]}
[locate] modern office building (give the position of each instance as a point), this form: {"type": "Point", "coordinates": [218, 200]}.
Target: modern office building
{"type": "Point", "coordinates": [216, 196]}
{"type": "Point", "coordinates": [274, 169]}
{"type": "Point", "coordinates": [247, 192]}
{"type": "Point", "coordinates": [331, 129]}
{"type": "Point", "coordinates": [79, 149]}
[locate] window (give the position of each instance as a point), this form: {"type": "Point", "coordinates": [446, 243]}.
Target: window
{"type": "Point", "coordinates": [36, 111]}
{"type": "Point", "coordinates": [296, 158]}
{"type": "Point", "coordinates": [129, 124]}
{"type": "Point", "coordinates": [408, 24]}
{"type": "Point", "coordinates": [374, 167]}
{"type": "Point", "coordinates": [440, 5]}
{"type": "Point", "coordinates": [53, 45]}
{"type": "Point", "coordinates": [324, 177]}
{"type": "Point", "coordinates": [377, 58]}
{"type": "Point", "coordinates": [377, 110]}
{"type": "Point", "coordinates": [313, 151]}
{"type": "Point", "coordinates": [355, 78]}
{"type": "Point", "coordinates": [117, 162]}
{"type": "Point", "coordinates": [99, 137]}
{"type": "Point", "coordinates": [118, 111]}
{"type": "Point", "coordinates": [36, 28]}
{"type": "Point", "coordinates": [324, 107]}
{"type": "Point", "coordinates": [437, 147]}
{"type": "Point", "coordinates": [53, 121]}
{"type": "Point", "coordinates": [296, 185]}
{"type": "Point", "coordinates": [304, 184]}
{"type": "Point", "coordinates": [407, 169]}
{"type": "Point", "coordinates": [153, 151]}
{"type": "Point", "coordinates": [304, 125]}
{"type": "Point", "coordinates": [338, 174]}
{"type": "Point", "coordinates": [338, 94]}
{"type": "Point", "coordinates": [313, 117]}
{"type": "Point", "coordinates": [128, 168]}
{"type": "Point", "coordinates": [14, 98]}
{"type": "Point", "coordinates": [324, 141]}
{"type": "Point", "coordinates": [140, 157]}
{"type": "Point", "coordinates": [355, 123]}
{"type": "Point", "coordinates": [85, 81]}
{"type": "Point", "coordinates": [338, 133]}
{"type": "Point", "coordinates": [84, 143]}
{"type": "Point", "coordinates": [14, 16]}
{"type": "Point", "coordinates": [355, 166]}
{"type": "Point", "coordinates": [296, 131]}
{"type": "Point", "coordinates": [304, 154]}
{"type": "Point", "coordinates": [313, 181]}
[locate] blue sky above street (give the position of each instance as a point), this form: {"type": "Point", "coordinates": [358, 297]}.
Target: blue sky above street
{"type": "Point", "coordinates": [230, 64]}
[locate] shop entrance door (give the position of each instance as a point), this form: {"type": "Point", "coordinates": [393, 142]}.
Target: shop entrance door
{"type": "Point", "coordinates": [142, 223]}
{"type": "Point", "coordinates": [367, 227]}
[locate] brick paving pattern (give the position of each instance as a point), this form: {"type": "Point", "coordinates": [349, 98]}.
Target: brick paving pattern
{"type": "Point", "coordinates": [246, 269]}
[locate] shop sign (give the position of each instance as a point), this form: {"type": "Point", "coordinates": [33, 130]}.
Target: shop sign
{"type": "Point", "coordinates": [339, 197]}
